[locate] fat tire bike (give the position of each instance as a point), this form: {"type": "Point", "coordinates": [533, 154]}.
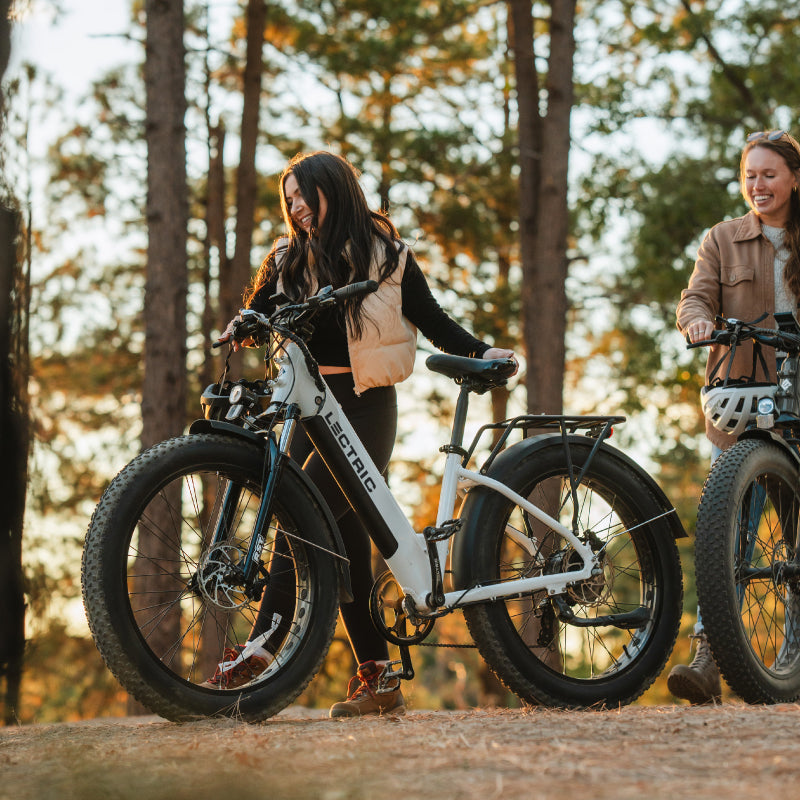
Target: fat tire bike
{"type": "Point", "coordinates": [746, 550]}
{"type": "Point", "coordinates": [559, 549]}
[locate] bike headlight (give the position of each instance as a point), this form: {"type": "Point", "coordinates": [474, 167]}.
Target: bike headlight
{"type": "Point", "coordinates": [236, 394]}
{"type": "Point", "coordinates": [766, 405]}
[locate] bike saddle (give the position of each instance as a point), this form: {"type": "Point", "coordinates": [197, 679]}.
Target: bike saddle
{"type": "Point", "coordinates": [460, 369]}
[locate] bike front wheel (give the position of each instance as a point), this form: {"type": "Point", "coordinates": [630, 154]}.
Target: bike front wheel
{"type": "Point", "coordinates": [539, 654]}
{"type": "Point", "coordinates": [164, 580]}
{"type": "Point", "coordinates": [748, 570]}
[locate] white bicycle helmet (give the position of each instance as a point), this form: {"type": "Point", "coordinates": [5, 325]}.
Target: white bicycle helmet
{"type": "Point", "coordinates": [732, 408]}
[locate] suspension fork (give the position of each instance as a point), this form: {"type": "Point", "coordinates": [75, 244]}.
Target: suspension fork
{"type": "Point", "coordinates": [275, 457]}
{"type": "Point", "coordinates": [278, 457]}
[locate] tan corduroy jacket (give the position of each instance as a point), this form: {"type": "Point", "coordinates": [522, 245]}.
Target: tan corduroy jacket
{"type": "Point", "coordinates": [385, 353]}
{"type": "Point", "coordinates": [734, 277]}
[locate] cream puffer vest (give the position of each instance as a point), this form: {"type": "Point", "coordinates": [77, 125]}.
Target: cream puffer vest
{"type": "Point", "coordinates": [384, 355]}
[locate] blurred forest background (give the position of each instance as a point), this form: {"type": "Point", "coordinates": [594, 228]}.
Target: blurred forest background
{"type": "Point", "coordinates": [554, 165]}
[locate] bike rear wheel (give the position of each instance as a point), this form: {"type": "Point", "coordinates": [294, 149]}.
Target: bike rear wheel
{"type": "Point", "coordinates": [539, 657]}
{"type": "Point", "coordinates": [164, 603]}
{"type": "Point", "coordinates": [748, 570]}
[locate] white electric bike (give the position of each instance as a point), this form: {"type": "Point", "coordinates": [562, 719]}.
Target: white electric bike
{"type": "Point", "coordinates": [562, 555]}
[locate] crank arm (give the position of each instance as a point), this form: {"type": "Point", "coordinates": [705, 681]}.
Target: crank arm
{"type": "Point", "coordinates": [629, 620]}
{"type": "Point", "coordinates": [406, 671]}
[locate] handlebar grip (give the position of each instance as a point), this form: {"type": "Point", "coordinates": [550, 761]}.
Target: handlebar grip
{"type": "Point", "coordinates": [717, 337]}
{"type": "Point", "coordinates": [355, 289]}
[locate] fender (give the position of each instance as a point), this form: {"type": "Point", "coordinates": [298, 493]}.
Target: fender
{"type": "Point", "coordinates": [768, 435]}
{"type": "Point", "coordinates": [507, 463]}
{"type": "Point", "coordinates": [236, 431]}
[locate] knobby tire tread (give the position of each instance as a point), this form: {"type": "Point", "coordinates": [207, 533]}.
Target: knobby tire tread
{"type": "Point", "coordinates": [714, 571]}
{"type": "Point", "coordinates": [525, 675]}
{"type": "Point", "coordinates": [101, 616]}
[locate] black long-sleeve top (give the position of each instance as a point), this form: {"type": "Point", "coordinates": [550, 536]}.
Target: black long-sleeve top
{"type": "Point", "coordinates": [328, 343]}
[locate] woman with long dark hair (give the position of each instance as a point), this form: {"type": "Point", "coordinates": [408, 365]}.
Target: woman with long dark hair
{"type": "Point", "coordinates": [363, 349]}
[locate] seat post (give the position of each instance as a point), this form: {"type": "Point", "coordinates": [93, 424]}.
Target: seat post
{"type": "Point", "coordinates": [460, 417]}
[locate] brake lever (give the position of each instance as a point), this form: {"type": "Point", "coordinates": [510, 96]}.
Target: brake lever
{"type": "Point", "coordinates": [717, 337]}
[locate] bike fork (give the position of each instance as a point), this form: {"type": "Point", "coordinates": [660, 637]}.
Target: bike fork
{"type": "Point", "coordinates": [274, 460]}
{"type": "Point", "coordinates": [278, 457]}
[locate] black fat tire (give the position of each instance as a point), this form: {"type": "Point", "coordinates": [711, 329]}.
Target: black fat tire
{"type": "Point", "coordinates": [744, 619]}
{"type": "Point", "coordinates": [166, 676]}
{"type": "Point", "coordinates": [596, 667]}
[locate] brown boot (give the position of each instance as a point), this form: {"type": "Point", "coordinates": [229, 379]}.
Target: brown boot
{"type": "Point", "coordinates": [699, 681]}
{"type": "Point", "coordinates": [370, 692]}
{"type": "Point", "coordinates": [233, 671]}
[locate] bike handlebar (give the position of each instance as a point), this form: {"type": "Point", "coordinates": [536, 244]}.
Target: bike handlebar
{"type": "Point", "coordinates": [356, 289]}
{"type": "Point", "coordinates": [294, 315]}
{"type": "Point", "coordinates": [717, 337]}
{"type": "Point", "coordinates": [736, 331]}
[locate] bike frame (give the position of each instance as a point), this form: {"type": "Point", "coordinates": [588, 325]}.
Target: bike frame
{"type": "Point", "coordinates": [405, 550]}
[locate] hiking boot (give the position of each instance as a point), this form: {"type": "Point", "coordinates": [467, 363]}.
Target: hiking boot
{"type": "Point", "coordinates": [371, 692]}
{"type": "Point", "coordinates": [699, 681]}
{"type": "Point", "coordinates": [234, 671]}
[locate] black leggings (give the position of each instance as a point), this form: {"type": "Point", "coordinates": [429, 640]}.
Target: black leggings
{"type": "Point", "coordinates": [373, 416]}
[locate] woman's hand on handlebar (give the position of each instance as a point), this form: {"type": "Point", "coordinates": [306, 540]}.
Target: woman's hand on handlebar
{"type": "Point", "coordinates": [499, 352]}
{"type": "Point", "coordinates": [227, 335]}
{"type": "Point", "coordinates": [699, 331]}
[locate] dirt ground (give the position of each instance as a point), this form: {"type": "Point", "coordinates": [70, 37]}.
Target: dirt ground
{"type": "Point", "coordinates": [729, 751]}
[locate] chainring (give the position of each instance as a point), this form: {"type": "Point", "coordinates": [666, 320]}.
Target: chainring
{"type": "Point", "coordinates": [390, 616]}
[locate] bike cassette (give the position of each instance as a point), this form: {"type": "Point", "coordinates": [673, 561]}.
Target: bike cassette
{"type": "Point", "coordinates": [390, 615]}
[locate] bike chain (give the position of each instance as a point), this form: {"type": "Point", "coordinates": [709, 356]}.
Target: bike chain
{"type": "Point", "coordinates": [454, 646]}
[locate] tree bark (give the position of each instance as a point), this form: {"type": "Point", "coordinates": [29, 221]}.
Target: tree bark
{"type": "Point", "coordinates": [14, 431]}
{"type": "Point", "coordinates": [545, 297]}
{"type": "Point", "coordinates": [239, 274]}
{"type": "Point", "coordinates": [520, 34]}
{"type": "Point", "coordinates": [543, 215]}
{"type": "Point", "coordinates": [14, 445]}
{"type": "Point", "coordinates": [164, 384]}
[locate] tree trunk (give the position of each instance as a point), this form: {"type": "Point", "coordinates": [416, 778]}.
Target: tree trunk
{"type": "Point", "coordinates": [239, 275]}
{"type": "Point", "coordinates": [14, 431]}
{"type": "Point", "coordinates": [543, 158]}
{"type": "Point", "coordinates": [215, 314]}
{"type": "Point", "coordinates": [14, 444]}
{"type": "Point", "coordinates": [546, 303]}
{"type": "Point", "coordinates": [529, 141]}
{"type": "Point", "coordinates": [164, 387]}
{"type": "Point", "coordinates": [164, 384]}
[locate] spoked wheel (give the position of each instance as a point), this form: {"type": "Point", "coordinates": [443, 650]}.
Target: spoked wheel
{"type": "Point", "coordinates": [748, 571]}
{"type": "Point", "coordinates": [165, 586]}
{"type": "Point", "coordinates": [605, 640]}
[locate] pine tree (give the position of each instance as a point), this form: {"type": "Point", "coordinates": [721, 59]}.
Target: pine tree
{"type": "Point", "coordinates": [164, 384]}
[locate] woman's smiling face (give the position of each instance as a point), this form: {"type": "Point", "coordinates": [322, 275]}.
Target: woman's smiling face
{"type": "Point", "coordinates": [298, 208]}
{"type": "Point", "coordinates": [768, 184]}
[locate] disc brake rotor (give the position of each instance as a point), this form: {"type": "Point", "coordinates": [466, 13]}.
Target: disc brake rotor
{"type": "Point", "coordinates": [219, 577]}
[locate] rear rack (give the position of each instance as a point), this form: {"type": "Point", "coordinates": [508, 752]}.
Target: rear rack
{"type": "Point", "coordinates": [596, 427]}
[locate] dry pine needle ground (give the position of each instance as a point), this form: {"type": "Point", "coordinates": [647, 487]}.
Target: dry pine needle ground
{"type": "Point", "coordinates": [730, 751]}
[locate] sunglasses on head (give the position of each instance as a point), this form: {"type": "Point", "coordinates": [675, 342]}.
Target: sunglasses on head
{"type": "Point", "coordinates": [770, 136]}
